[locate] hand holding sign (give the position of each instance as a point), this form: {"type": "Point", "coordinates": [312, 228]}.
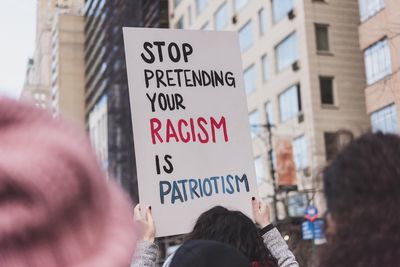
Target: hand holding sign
{"type": "Point", "coordinates": [147, 228]}
{"type": "Point", "coordinates": [261, 212]}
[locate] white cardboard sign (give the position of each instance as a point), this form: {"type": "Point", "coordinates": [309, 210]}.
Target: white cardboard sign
{"type": "Point", "coordinates": [190, 124]}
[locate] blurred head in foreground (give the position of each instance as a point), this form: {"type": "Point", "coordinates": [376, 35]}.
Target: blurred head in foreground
{"type": "Point", "coordinates": [206, 253]}
{"type": "Point", "coordinates": [56, 208]}
{"type": "Point", "coordinates": [362, 190]}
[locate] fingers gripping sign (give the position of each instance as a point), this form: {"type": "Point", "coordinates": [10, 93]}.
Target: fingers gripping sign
{"type": "Point", "coordinates": [261, 212]}
{"type": "Point", "coordinates": [144, 223]}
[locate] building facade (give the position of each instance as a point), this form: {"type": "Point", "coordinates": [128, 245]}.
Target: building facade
{"type": "Point", "coordinates": [380, 43]}
{"type": "Point", "coordinates": [54, 79]}
{"type": "Point", "coordinates": [107, 105]}
{"type": "Point", "coordinates": [303, 73]}
{"type": "Point", "coordinates": [67, 68]}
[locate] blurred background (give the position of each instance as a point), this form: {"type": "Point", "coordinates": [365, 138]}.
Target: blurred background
{"type": "Point", "coordinates": [312, 69]}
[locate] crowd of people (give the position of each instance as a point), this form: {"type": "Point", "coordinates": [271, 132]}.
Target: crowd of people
{"type": "Point", "coordinates": [58, 209]}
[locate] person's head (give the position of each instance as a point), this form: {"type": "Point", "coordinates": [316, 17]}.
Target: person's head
{"type": "Point", "coordinates": [206, 253]}
{"type": "Point", "coordinates": [56, 208]}
{"type": "Point", "coordinates": [233, 228]}
{"type": "Point", "coordinates": [362, 190]}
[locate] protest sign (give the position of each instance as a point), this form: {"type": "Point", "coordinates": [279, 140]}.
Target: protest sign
{"type": "Point", "coordinates": [190, 124]}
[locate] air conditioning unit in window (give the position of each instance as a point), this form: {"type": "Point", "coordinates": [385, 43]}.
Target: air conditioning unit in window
{"type": "Point", "coordinates": [291, 14]}
{"type": "Point", "coordinates": [234, 19]}
{"type": "Point", "coordinates": [300, 117]}
{"type": "Point", "coordinates": [295, 66]}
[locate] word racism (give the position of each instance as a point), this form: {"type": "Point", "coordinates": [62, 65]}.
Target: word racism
{"type": "Point", "coordinates": [185, 189]}
{"type": "Point", "coordinates": [180, 77]}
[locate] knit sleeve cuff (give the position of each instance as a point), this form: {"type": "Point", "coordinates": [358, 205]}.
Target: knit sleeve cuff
{"type": "Point", "coordinates": [266, 229]}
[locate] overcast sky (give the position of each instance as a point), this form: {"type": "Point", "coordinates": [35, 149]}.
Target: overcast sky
{"type": "Point", "coordinates": [17, 31]}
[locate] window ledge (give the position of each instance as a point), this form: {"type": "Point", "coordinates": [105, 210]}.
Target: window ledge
{"type": "Point", "coordinates": [329, 106]}
{"type": "Point", "coordinates": [325, 53]}
{"type": "Point", "coordinates": [384, 78]}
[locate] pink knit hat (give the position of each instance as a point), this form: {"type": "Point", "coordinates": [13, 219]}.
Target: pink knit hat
{"type": "Point", "coordinates": [56, 208]}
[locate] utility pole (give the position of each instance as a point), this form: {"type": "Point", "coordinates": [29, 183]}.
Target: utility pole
{"type": "Point", "coordinates": [269, 127]}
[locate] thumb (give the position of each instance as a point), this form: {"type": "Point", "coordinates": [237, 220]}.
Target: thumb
{"type": "Point", "coordinates": [136, 212]}
{"type": "Point", "coordinates": [255, 206]}
{"type": "Point", "coordinates": [149, 215]}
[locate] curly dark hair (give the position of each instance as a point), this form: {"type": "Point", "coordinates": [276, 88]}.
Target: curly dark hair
{"type": "Point", "coordinates": [362, 190]}
{"type": "Point", "coordinates": [233, 228]}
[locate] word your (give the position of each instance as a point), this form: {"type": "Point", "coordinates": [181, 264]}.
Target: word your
{"type": "Point", "coordinates": [175, 53]}
{"type": "Point", "coordinates": [189, 189]}
{"type": "Point", "coordinates": [188, 78]}
{"type": "Point", "coordinates": [165, 101]}
{"type": "Point", "coordinates": [193, 130]}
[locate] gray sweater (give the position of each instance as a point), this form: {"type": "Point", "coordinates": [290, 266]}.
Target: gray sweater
{"type": "Point", "coordinates": [146, 252]}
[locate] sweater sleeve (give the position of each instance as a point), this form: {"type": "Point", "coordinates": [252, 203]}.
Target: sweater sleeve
{"type": "Point", "coordinates": [145, 254]}
{"type": "Point", "coordinates": [279, 249]}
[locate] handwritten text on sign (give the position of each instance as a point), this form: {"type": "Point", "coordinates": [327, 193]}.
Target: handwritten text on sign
{"type": "Point", "coordinates": [190, 120]}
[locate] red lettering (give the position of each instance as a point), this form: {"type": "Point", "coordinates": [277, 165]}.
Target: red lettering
{"type": "Point", "coordinates": [192, 129]}
{"type": "Point", "coordinates": [154, 130]}
{"type": "Point", "coordinates": [170, 132]}
{"type": "Point", "coordinates": [180, 123]}
{"type": "Point", "coordinates": [215, 125]}
{"type": "Point", "coordinates": [200, 122]}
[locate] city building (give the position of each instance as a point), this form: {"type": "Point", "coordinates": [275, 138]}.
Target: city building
{"type": "Point", "coordinates": [303, 73]}
{"type": "Point", "coordinates": [107, 106]}
{"type": "Point", "coordinates": [67, 68]}
{"type": "Point", "coordinates": [54, 79]}
{"type": "Point", "coordinates": [380, 42]}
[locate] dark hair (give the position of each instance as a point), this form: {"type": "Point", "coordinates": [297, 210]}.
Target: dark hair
{"type": "Point", "coordinates": [232, 228]}
{"type": "Point", "coordinates": [362, 190]}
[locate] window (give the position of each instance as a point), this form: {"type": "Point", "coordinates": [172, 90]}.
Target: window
{"type": "Point", "coordinates": [250, 79]}
{"type": "Point", "coordinates": [268, 111]}
{"type": "Point", "coordinates": [179, 23]}
{"type": "Point", "coordinates": [200, 6]}
{"type": "Point", "coordinates": [239, 4]}
{"type": "Point", "coordinates": [265, 67]}
{"type": "Point", "coordinates": [290, 103]}
{"type": "Point", "coordinates": [254, 120]}
{"type": "Point", "coordinates": [281, 8]}
{"type": "Point", "coordinates": [262, 20]}
{"type": "Point", "coordinates": [331, 147]}
{"type": "Point", "coordinates": [322, 37]}
{"type": "Point", "coordinates": [368, 8]}
{"type": "Point", "coordinates": [246, 36]}
{"type": "Point", "coordinates": [326, 90]}
{"type": "Point", "coordinates": [286, 52]}
{"type": "Point", "coordinates": [189, 11]}
{"type": "Point", "coordinates": [221, 17]}
{"type": "Point", "coordinates": [259, 169]}
{"type": "Point", "coordinates": [377, 61]}
{"type": "Point", "coordinates": [300, 153]}
{"type": "Point", "coordinates": [385, 120]}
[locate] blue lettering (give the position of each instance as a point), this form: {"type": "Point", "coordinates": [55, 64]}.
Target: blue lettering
{"type": "Point", "coordinates": [192, 188]}
{"type": "Point", "coordinates": [228, 177]}
{"type": "Point", "coordinates": [176, 193]}
{"type": "Point", "coordinates": [164, 192]}
{"type": "Point", "coordinates": [207, 182]}
{"type": "Point", "coordinates": [215, 178]}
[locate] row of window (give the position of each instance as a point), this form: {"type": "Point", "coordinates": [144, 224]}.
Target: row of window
{"type": "Point", "coordinates": [280, 9]}
{"type": "Point", "coordinates": [383, 120]}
